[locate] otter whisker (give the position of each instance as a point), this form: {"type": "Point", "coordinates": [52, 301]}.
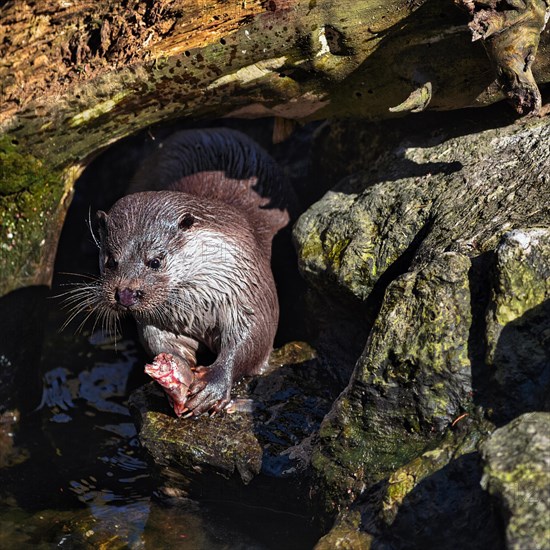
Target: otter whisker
{"type": "Point", "coordinates": [113, 325]}
{"type": "Point", "coordinates": [87, 296]}
{"type": "Point", "coordinates": [89, 305]}
{"type": "Point", "coordinates": [81, 325]}
{"type": "Point", "coordinates": [90, 227]}
{"type": "Point", "coordinates": [108, 320]}
{"type": "Point", "coordinates": [81, 298]}
{"type": "Point", "coordinates": [79, 290]}
{"type": "Point", "coordinates": [79, 275]}
{"type": "Point", "coordinates": [74, 308]}
{"type": "Point", "coordinates": [87, 312]}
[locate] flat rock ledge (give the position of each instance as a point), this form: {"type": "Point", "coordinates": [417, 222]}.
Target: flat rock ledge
{"type": "Point", "coordinates": [266, 442]}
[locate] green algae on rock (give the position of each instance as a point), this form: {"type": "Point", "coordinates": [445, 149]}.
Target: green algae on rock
{"type": "Point", "coordinates": [342, 240]}
{"type": "Point", "coordinates": [427, 193]}
{"type": "Point", "coordinates": [346, 534]}
{"type": "Point", "coordinates": [412, 380]}
{"type": "Point", "coordinates": [410, 509]}
{"type": "Point", "coordinates": [518, 324]}
{"type": "Point", "coordinates": [517, 473]}
{"type": "Point", "coordinates": [32, 209]}
{"type": "Point", "coordinates": [225, 448]}
{"type": "Point", "coordinates": [523, 271]}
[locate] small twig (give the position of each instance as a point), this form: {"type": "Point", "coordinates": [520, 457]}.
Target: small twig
{"type": "Point", "coordinates": [457, 420]}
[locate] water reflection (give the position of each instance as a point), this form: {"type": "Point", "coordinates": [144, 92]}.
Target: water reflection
{"type": "Point", "coordinates": [80, 479]}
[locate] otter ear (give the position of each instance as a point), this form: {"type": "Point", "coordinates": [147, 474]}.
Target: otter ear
{"type": "Point", "coordinates": [101, 225]}
{"type": "Point", "coordinates": [101, 220]}
{"type": "Point", "coordinates": [186, 222]}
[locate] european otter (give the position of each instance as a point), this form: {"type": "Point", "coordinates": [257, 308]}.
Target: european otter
{"type": "Point", "coordinates": [191, 263]}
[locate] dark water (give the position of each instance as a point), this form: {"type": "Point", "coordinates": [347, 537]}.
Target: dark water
{"type": "Point", "coordinates": [77, 477]}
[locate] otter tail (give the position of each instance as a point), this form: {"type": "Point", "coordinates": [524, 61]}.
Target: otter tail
{"type": "Point", "coordinates": [229, 152]}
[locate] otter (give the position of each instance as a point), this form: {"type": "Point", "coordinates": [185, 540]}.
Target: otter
{"type": "Point", "coordinates": [239, 157]}
{"type": "Point", "coordinates": [190, 262]}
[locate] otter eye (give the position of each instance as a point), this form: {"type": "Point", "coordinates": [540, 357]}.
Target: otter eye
{"type": "Point", "coordinates": [187, 221]}
{"type": "Point", "coordinates": [155, 263]}
{"type": "Point", "coordinates": [111, 263]}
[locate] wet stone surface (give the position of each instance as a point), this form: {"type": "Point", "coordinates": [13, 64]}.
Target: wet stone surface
{"type": "Point", "coordinates": [74, 474]}
{"type": "Point", "coordinates": [268, 436]}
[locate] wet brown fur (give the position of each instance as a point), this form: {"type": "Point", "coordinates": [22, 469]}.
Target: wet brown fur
{"type": "Point", "coordinates": [211, 236]}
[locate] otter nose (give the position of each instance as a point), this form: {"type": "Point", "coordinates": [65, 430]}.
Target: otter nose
{"type": "Point", "coordinates": [128, 297]}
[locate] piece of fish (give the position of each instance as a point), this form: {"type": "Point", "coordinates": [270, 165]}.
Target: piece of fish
{"type": "Point", "coordinates": [174, 376]}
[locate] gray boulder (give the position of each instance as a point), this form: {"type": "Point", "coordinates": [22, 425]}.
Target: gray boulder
{"type": "Point", "coordinates": [517, 473]}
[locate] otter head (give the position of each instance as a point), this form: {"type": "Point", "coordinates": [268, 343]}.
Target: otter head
{"type": "Point", "coordinates": [139, 245]}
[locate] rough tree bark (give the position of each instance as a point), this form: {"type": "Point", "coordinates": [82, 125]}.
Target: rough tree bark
{"type": "Point", "coordinates": [76, 77]}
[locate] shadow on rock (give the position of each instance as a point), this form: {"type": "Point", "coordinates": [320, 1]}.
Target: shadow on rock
{"type": "Point", "coordinates": [520, 367]}
{"type": "Point", "coordinates": [447, 510]}
{"type": "Point", "coordinates": [509, 341]}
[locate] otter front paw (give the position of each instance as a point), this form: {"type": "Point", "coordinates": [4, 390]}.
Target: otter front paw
{"type": "Point", "coordinates": [209, 392]}
{"type": "Point", "coordinates": [174, 376]}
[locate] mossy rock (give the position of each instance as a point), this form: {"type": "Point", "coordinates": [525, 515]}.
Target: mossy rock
{"type": "Point", "coordinates": [434, 501]}
{"type": "Point", "coordinates": [412, 380]}
{"type": "Point", "coordinates": [431, 191]}
{"type": "Point", "coordinates": [346, 534]}
{"type": "Point", "coordinates": [32, 209]}
{"type": "Point", "coordinates": [420, 231]}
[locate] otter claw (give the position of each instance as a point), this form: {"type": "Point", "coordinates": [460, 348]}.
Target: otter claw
{"type": "Point", "coordinates": [240, 405]}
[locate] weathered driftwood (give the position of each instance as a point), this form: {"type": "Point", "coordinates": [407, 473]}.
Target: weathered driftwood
{"type": "Point", "coordinates": [511, 33]}
{"type": "Point", "coordinates": [77, 76]}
